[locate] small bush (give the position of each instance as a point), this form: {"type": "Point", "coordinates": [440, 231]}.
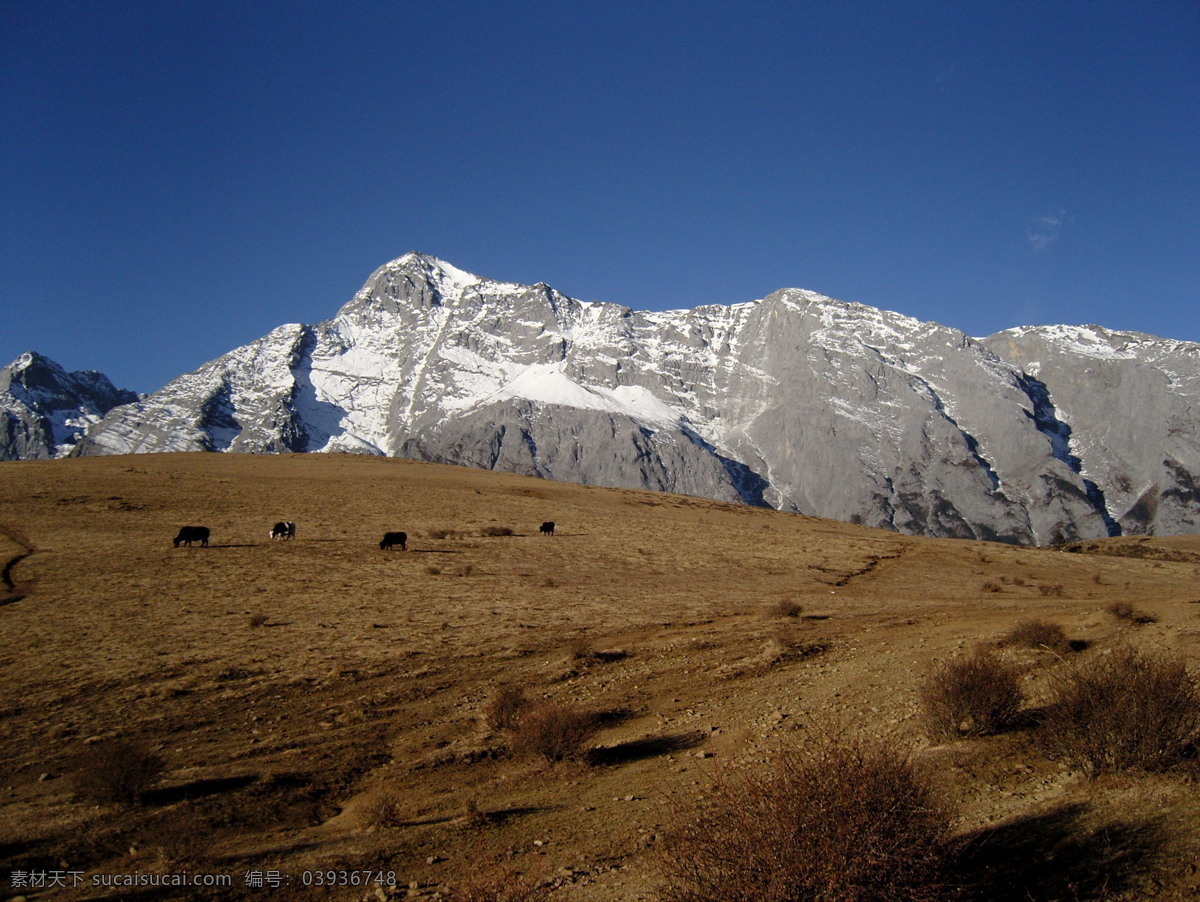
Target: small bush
{"type": "Point", "coordinates": [553, 731]}
{"type": "Point", "coordinates": [257, 620]}
{"type": "Point", "coordinates": [1037, 634]}
{"type": "Point", "coordinates": [120, 771]}
{"type": "Point", "coordinates": [495, 531]}
{"type": "Point", "coordinates": [850, 821]}
{"type": "Point", "coordinates": [504, 711]}
{"type": "Point", "coordinates": [970, 697]}
{"type": "Point", "coordinates": [1125, 710]}
{"type": "Point", "coordinates": [785, 607]}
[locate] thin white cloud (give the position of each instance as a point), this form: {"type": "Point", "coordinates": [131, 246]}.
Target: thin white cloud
{"type": "Point", "coordinates": [1045, 230]}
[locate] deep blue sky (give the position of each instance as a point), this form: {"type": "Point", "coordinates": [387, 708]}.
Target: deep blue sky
{"type": "Point", "coordinates": [181, 177]}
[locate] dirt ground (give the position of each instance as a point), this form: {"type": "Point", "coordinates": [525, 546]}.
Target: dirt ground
{"type": "Point", "coordinates": [319, 704]}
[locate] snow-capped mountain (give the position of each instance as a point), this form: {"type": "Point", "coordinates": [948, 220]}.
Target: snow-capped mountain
{"type": "Point", "coordinates": [46, 409]}
{"type": "Point", "coordinates": [796, 401]}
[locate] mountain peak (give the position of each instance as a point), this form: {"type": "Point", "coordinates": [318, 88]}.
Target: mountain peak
{"type": "Point", "coordinates": [433, 269]}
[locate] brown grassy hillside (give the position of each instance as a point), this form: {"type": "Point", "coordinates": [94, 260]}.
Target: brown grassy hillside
{"type": "Point", "coordinates": [321, 704]}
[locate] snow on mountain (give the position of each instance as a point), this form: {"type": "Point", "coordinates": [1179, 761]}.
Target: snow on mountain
{"type": "Point", "coordinates": [46, 409]}
{"type": "Point", "coordinates": [796, 401]}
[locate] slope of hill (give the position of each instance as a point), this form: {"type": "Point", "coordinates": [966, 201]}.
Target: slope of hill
{"type": "Point", "coordinates": [321, 704]}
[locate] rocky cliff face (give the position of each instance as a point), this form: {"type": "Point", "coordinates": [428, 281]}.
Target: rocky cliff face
{"type": "Point", "coordinates": [1124, 410]}
{"type": "Point", "coordinates": [46, 409]}
{"type": "Point", "coordinates": [796, 401]}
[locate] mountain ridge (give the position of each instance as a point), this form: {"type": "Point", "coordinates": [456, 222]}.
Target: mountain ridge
{"type": "Point", "coordinates": [795, 401]}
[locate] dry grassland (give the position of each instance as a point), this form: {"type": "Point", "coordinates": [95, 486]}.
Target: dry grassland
{"type": "Point", "coordinates": [318, 705]}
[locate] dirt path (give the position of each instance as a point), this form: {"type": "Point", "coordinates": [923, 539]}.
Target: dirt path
{"type": "Point", "coordinates": [13, 549]}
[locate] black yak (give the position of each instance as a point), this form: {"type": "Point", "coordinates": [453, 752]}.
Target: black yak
{"type": "Point", "coordinates": [189, 534]}
{"type": "Point", "coordinates": [394, 538]}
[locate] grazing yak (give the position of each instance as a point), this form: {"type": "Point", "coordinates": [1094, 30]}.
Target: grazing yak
{"type": "Point", "coordinates": [547, 528]}
{"type": "Point", "coordinates": [394, 538]}
{"type": "Point", "coordinates": [284, 529]}
{"type": "Point", "coordinates": [189, 534]}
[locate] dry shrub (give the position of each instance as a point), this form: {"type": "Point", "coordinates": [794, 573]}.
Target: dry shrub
{"type": "Point", "coordinates": [119, 770]}
{"type": "Point", "coordinates": [474, 817]}
{"type": "Point", "coordinates": [1123, 610]}
{"type": "Point", "coordinates": [553, 731]}
{"type": "Point", "coordinates": [831, 821]}
{"type": "Point", "coordinates": [786, 646]}
{"type": "Point", "coordinates": [581, 649]}
{"type": "Point", "coordinates": [388, 810]}
{"type": "Point", "coordinates": [1038, 634]}
{"type": "Point", "coordinates": [785, 607]}
{"type": "Point", "coordinates": [1128, 709]}
{"type": "Point", "coordinates": [495, 531]}
{"type": "Point", "coordinates": [504, 711]}
{"type": "Point", "coordinates": [970, 696]}
{"type": "Point", "coordinates": [257, 620]}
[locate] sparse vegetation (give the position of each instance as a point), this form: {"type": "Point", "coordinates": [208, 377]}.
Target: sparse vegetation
{"type": "Point", "coordinates": [847, 820]}
{"type": "Point", "coordinates": [120, 771]}
{"type": "Point", "coordinates": [1037, 634]}
{"type": "Point", "coordinates": [1123, 710]}
{"type": "Point", "coordinates": [363, 683]}
{"type": "Point", "coordinates": [970, 696]}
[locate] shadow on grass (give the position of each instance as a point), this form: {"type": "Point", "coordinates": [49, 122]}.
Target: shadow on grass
{"type": "Point", "coordinates": [1059, 857]}
{"type": "Point", "coordinates": [639, 749]}
{"type": "Point", "coordinates": [504, 815]}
